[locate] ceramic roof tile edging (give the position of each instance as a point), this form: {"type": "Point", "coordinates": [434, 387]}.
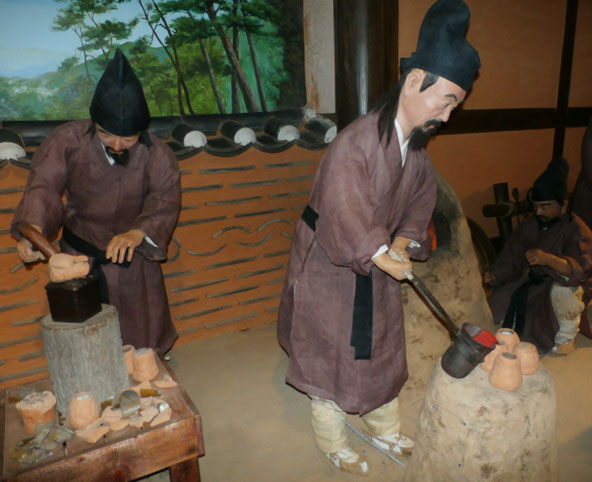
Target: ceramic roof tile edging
{"type": "Point", "coordinates": [302, 127]}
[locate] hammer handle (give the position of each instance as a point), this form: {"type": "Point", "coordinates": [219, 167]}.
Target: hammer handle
{"type": "Point", "coordinates": [428, 297]}
{"type": "Point", "coordinates": [37, 239]}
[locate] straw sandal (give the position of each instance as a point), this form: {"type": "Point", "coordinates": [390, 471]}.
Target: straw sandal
{"type": "Point", "coordinates": [563, 348]}
{"type": "Point", "coordinates": [350, 461]}
{"type": "Point", "coordinates": [397, 443]}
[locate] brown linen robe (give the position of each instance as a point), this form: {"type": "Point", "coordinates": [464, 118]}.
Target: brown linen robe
{"type": "Point", "coordinates": [362, 195]}
{"type": "Point", "coordinates": [582, 206]}
{"type": "Point", "coordinates": [102, 201]}
{"type": "Point", "coordinates": [569, 239]}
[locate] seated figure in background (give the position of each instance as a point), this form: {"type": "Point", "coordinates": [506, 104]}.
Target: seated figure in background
{"type": "Point", "coordinates": [539, 276]}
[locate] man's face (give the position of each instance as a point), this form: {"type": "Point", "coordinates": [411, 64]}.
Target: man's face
{"type": "Point", "coordinates": [547, 210]}
{"type": "Point", "coordinates": [118, 147]}
{"type": "Point", "coordinates": [426, 110]}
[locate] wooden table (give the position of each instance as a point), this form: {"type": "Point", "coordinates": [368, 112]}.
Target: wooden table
{"type": "Point", "coordinates": [124, 455]}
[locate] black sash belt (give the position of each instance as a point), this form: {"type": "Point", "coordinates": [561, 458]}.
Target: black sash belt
{"type": "Point", "coordinates": [361, 337]}
{"type": "Point", "coordinates": [516, 315]}
{"type": "Point", "coordinates": [310, 216]}
{"type": "Point", "coordinates": [96, 269]}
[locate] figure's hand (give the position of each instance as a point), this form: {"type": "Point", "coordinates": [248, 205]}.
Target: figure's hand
{"type": "Point", "coordinates": [537, 257]}
{"type": "Point", "coordinates": [393, 267]}
{"type": "Point", "coordinates": [402, 255]}
{"type": "Point", "coordinates": [64, 267]}
{"type": "Point", "coordinates": [25, 249]}
{"type": "Point", "coordinates": [399, 246]}
{"type": "Point", "coordinates": [121, 243]}
{"type": "Point", "coordinates": [488, 277]}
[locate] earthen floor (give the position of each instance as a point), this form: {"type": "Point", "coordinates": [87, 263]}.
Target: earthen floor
{"type": "Point", "coordinates": [257, 428]}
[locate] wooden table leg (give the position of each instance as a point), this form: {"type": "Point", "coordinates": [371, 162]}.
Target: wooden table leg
{"type": "Point", "coordinates": [187, 471]}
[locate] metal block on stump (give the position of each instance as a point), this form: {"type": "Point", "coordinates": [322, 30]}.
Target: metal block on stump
{"type": "Point", "coordinates": [468, 430]}
{"type": "Point", "coordinates": [85, 357]}
{"type": "Point", "coordinates": [74, 301]}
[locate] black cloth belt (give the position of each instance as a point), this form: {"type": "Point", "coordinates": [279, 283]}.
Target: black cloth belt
{"type": "Point", "coordinates": [516, 315]}
{"type": "Point", "coordinates": [310, 216]}
{"type": "Point", "coordinates": [361, 337]}
{"type": "Point", "coordinates": [99, 259]}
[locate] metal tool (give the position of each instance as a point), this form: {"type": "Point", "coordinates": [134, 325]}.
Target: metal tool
{"type": "Point", "coordinates": [465, 353]}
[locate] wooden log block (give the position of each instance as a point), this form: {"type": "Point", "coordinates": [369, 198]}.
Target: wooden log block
{"type": "Point", "coordinates": [85, 357]}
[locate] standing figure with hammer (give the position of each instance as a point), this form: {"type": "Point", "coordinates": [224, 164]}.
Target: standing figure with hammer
{"type": "Point", "coordinates": [122, 191]}
{"type": "Point", "coordinates": [341, 313]}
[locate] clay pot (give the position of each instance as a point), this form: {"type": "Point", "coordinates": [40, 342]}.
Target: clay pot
{"type": "Point", "coordinates": [145, 367]}
{"type": "Point", "coordinates": [128, 354]}
{"type": "Point", "coordinates": [509, 337]}
{"type": "Point", "coordinates": [528, 356]}
{"type": "Point", "coordinates": [37, 408]}
{"type": "Point", "coordinates": [487, 362]}
{"type": "Point", "coordinates": [83, 410]}
{"type": "Point", "coordinates": [505, 373]}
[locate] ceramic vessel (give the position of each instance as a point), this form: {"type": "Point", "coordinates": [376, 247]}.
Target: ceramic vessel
{"type": "Point", "coordinates": [36, 408]}
{"type": "Point", "coordinates": [83, 410]}
{"type": "Point", "coordinates": [509, 337]}
{"type": "Point", "coordinates": [505, 373]}
{"type": "Point", "coordinates": [487, 362]}
{"type": "Point", "coordinates": [145, 367]}
{"type": "Point", "coordinates": [528, 356]}
{"type": "Point", "coordinates": [128, 354]}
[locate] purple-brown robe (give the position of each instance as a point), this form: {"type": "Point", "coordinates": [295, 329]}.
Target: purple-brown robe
{"type": "Point", "coordinates": [102, 201]}
{"type": "Point", "coordinates": [569, 239]}
{"type": "Point", "coordinates": [363, 196]}
{"type": "Point", "coordinates": [582, 206]}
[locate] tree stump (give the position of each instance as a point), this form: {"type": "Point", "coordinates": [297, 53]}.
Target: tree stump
{"type": "Point", "coordinates": [468, 430]}
{"type": "Point", "coordinates": [85, 357]}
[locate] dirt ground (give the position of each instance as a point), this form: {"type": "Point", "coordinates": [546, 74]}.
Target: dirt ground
{"type": "Point", "coordinates": [257, 428]}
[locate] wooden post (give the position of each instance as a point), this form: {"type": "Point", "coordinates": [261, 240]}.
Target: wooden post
{"type": "Point", "coordinates": [85, 357]}
{"type": "Point", "coordinates": [366, 55]}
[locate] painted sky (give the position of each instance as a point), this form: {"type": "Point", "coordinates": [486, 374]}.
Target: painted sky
{"type": "Point", "coordinates": [28, 46]}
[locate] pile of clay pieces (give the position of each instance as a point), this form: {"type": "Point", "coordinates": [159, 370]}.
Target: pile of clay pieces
{"type": "Point", "coordinates": [510, 361]}
{"type": "Point", "coordinates": [137, 406]}
{"type": "Point", "coordinates": [46, 438]}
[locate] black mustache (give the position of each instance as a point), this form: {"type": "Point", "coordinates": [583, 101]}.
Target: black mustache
{"type": "Point", "coordinates": [121, 157]}
{"type": "Point", "coordinates": [435, 123]}
{"type": "Point", "coordinates": [545, 222]}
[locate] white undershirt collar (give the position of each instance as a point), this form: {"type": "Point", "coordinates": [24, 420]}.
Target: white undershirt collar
{"type": "Point", "coordinates": [107, 155]}
{"type": "Point", "coordinates": [403, 145]}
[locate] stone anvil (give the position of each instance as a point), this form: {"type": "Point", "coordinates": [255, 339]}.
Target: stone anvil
{"type": "Point", "coordinates": [71, 301]}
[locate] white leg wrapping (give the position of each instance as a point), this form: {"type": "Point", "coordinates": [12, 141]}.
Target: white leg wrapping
{"type": "Point", "coordinates": [328, 425]}
{"type": "Point", "coordinates": [384, 420]}
{"type": "Point", "coordinates": [568, 306]}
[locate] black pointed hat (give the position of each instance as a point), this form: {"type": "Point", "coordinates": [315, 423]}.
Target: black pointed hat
{"type": "Point", "coordinates": [118, 103]}
{"type": "Point", "coordinates": [442, 47]}
{"type": "Point", "coordinates": [551, 185]}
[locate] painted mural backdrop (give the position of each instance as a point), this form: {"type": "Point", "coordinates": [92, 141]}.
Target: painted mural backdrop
{"type": "Point", "coordinates": [192, 56]}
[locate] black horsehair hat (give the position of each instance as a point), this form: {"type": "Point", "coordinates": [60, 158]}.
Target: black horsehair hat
{"type": "Point", "coordinates": [442, 48]}
{"type": "Point", "coordinates": [551, 185]}
{"type": "Point", "coordinates": [118, 103]}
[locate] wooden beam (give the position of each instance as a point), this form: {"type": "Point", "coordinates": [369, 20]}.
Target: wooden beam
{"type": "Point", "coordinates": [569, 34]}
{"type": "Point", "coordinates": [494, 120]}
